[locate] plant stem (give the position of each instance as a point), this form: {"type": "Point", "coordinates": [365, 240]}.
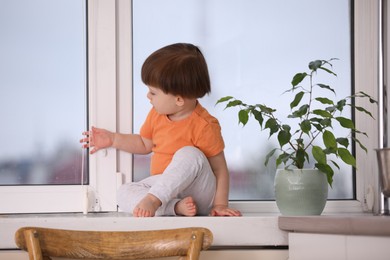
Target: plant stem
{"type": "Point", "coordinates": [309, 108]}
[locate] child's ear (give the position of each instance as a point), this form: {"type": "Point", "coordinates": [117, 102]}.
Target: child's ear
{"type": "Point", "coordinates": [179, 101]}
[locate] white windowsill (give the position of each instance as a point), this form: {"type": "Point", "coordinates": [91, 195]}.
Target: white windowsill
{"type": "Point", "coordinates": [260, 229]}
{"type": "Point", "coordinates": [256, 228]}
{"type": "Point", "coordinates": [351, 225]}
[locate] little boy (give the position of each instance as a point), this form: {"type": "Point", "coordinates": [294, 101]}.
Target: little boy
{"type": "Point", "coordinates": [189, 174]}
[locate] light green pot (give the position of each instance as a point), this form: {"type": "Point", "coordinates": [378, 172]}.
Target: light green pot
{"type": "Point", "coordinates": [300, 192]}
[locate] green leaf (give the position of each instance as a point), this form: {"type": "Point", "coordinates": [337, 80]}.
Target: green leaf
{"type": "Point", "coordinates": [273, 126]}
{"type": "Point", "coordinates": [316, 119]}
{"type": "Point", "coordinates": [298, 78]}
{"type": "Point", "coordinates": [359, 132]}
{"type": "Point", "coordinates": [335, 164]}
{"type": "Point", "coordinates": [319, 155]}
{"type": "Point", "coordinates": [234, 103]}
{"type": "Point", "coordinates": [360, 144]}
{"type": "Point", "coordinates": [258, 116]}
{"type": "Point", "coordinates": [346, 156]}
{"type": "Point", "coordinates": [326, 122]}
{"type": "Point", "coordinates": [297, 99]}
{"type": "Point", "coordinates": [324, 100]}
{"type": "Point", "coordinates": [286, 127]}
{"type": "Point", "coordinates": [346, 122]}
{"type": "Point", "coordinates": [269, 155]}
{"type": "Point", "coordinates": [299, 160]}
{"type": "Point", "coordinates": [300, 112]}
{"type": "Point", "coordinates": [362, 94]}
{"type": "Point", "coordinates": [314, 65]}
{"type": "Point", "coordinates": [364, 110]}
{"type": "Point", "coordinates": [325, 168]}
{"type": "Point", "coordinates": [318, 127]}
{"type": "Point", "coordinates": [329, 140]}
{"type": "Point", "coordinates": [322, 113]}
{"type": "Point", "coordinates": [243, 116]}
{"type": "Point", "coordinates": [265, 109]}
{"type": "Point", "coordinates": [343, 141]}
{"type": "Point", "coordinates": [330, 150]}
{"type": "Point", "coordinates": [326, 87]}
{"type": "Point", "coordinates": [282, 158]}
{"type": "Point", "coordinates": [284, 137]}
{"type": "Point", "coordinates": [224, 99]}
{"type": "Point", "coordinates": [341, 104]}
{"type": "Point", "coordinates": [305, 126]}
{"type": "Point", "coordinates": [328, 70]}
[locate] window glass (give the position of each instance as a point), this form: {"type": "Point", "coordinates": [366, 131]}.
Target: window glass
{"type": "Point", "coordinates": [43, 91]}
{"type": "Point", "coordinates": [253, 49]}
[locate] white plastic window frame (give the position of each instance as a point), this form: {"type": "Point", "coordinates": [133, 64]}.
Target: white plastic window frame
{"type": "Point", "coordinates": [110, 107]}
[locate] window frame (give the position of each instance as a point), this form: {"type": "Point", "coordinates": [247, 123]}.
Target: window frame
{"type": "Point", "coordinates": [103, 175]}
{"type": "Point", "coordinates": [368, 67]}
{"type": "Point", "coordinates": [110, 106]}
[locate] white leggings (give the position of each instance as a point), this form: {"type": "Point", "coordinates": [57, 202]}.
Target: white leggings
{"type": "Point", "coordinates": [188, 174]}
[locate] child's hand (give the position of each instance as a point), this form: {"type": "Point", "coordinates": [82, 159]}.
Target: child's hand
{"type": "Point", "coordinates": [222, 210]}
{"type": "Point", "coordinates": [98, 139]}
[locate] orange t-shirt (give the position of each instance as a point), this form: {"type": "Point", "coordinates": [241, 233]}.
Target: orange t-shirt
{"type": "Point", "coordinates": [200, 130]}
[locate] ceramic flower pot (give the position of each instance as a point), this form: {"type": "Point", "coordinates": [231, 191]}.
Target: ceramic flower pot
{"type": "Point", "coordinates": [301, 191]}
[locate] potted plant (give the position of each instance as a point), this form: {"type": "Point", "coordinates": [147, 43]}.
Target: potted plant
{"type": "Point", "coordinates": [307, 135]}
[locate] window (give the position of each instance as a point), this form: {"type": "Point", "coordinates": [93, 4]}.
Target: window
{"type": "Point", "coordinates": [43, 100]}
{"type": "Point", "coordinates": [253, 49]}
{"type": "Point", "coordinates": [44, 109]}
{"type": "Point", "coordinates": [110, 48]}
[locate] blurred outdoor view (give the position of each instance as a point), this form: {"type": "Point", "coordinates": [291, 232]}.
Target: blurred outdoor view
{"type": "Point", "coordinates": [253, 49]}
{"type": "Point", "coordinates": [42, 91]}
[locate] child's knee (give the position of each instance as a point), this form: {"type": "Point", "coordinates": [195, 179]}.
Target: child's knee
{"type": "Point", "coordinates": [190, 151]}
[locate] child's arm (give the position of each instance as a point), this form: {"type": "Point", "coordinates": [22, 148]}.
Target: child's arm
{"type": "Point", "coordinates": [221, 200]}
{"type": "Point", "coordinates": [101, 138]}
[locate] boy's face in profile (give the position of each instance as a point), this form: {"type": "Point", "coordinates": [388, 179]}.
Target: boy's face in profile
{"type": "Point", "coordinates": [165, 104]}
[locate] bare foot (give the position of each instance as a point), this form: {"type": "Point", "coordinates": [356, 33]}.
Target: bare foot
{"type": "Point", "coordinates": [186, 207]}
{"type": "Point", "coordinates": [147, 207]}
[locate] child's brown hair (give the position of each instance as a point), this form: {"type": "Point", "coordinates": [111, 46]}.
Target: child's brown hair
{"type": "Point", "coordinates": [177, 69]}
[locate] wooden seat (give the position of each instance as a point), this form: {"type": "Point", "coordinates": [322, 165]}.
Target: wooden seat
{"type": "Point", "coordinates": [43, 243]}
